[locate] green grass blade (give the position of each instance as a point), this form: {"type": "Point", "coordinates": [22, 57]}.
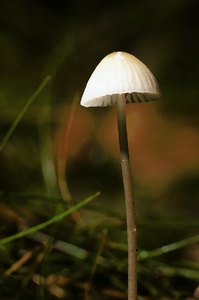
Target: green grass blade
{"type": "Point", "coordinates": [168, 248]}
{"type": "Point", "coordinates": [54, 219]}
{"type": "Point", "coordinates": [23, 112]}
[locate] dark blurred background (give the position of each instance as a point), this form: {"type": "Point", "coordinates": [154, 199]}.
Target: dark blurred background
{"type": "Point", "coordinates": [58, 138]}
{"type": "Point", "coordinates": [63, 150]}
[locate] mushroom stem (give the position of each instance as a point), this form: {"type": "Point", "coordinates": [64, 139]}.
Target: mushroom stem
{"type": "Point", "coordinates": [128, 192]}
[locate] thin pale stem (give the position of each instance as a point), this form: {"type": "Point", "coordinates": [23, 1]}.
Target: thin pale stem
{"type": "Point", "coordinates": [128, 192]}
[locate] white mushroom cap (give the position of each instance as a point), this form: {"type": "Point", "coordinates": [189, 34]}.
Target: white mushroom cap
{"type": "Point", "coordinates": [120, 73]}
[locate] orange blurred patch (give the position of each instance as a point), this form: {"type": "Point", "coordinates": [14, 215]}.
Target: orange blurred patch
{"type": "Point", "coordinates": [159, 148]}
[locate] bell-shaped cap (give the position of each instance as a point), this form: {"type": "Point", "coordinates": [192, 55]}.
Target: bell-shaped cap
{"type": "Point", "coordinates": [120, 73]}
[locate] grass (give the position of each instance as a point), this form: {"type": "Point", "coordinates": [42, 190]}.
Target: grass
{"type": "Point", "coordinates": [77, 261]}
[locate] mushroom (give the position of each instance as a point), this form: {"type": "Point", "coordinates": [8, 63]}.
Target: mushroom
{"type": "Point", "coordinates": [121, 78]}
